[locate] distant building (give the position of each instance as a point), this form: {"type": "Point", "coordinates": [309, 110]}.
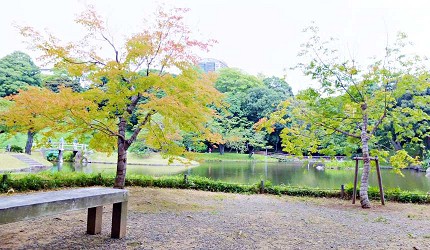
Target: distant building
{"type": "Point", "coordinates": [211, 65]}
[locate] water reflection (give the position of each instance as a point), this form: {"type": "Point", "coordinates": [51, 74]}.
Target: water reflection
{"type": "Point", "coordinates": [278, 173]}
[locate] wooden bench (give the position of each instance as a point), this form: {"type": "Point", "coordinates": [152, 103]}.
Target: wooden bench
{"type": "Point", "coordinates": [22, 207]}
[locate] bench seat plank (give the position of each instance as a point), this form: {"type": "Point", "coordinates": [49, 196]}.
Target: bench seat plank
{"type": "Point", "coordinates": [22, 207]}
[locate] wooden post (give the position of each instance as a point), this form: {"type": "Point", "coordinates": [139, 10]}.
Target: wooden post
{"type": "Point", "coordinates": [342, 191]}
{"type": "Point", "coordinates": [94, 221]}
{"type": "Point", "coordinates": [186, 178]}
{"type": "Point", "coordinates": [381, 189]}
{"type": "Point", "coordinates": [119, 220]}
{"type": "Point", "coordinates": [262, 187]}
{"type": "Point", "coordinates": [354, 192]}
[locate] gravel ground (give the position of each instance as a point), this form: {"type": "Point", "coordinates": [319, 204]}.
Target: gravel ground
{"type": "Point", "coordinates": [187, 219]}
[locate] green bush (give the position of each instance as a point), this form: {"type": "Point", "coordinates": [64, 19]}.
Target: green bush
{"type": "Point", "coordinates": [140, 149]}
{"type": "Point", "coordinates": [68, 157]}
{"type": "Point", "coordinates": [47, 180]}
{"type": "Point", "coordinates": [52, 156]}
{"type": "Point", "coordinates": [16, 149]}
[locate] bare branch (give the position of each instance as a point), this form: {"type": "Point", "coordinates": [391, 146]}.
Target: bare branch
{"type": "Point", "coordinates": [112, 45]}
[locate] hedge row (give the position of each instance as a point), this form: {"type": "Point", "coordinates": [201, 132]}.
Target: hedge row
{"type": "Point", "coordinates": [19, 182]}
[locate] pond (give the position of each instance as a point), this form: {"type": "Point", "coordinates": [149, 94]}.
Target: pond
{"type": "Point", "coordinates": [278, 173]}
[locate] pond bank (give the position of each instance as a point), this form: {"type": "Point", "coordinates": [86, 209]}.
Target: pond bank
{"type": "Point", "coordinates": [185, 219]}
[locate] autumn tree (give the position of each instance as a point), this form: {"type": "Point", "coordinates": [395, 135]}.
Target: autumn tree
{"type": "Point", "coordinates": [350, 100]}
{"type": "Point", "coordinates": [133, 82]}
{"type": "Point", "coordinates": [17, 71]}
{"type": "Point", "coordinates": [30, 112]}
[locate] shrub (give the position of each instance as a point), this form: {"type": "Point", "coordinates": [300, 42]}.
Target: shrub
{"type": "Point", "coordinates": [52, 156]}
{"type": "Point", "coordinates": [68, 157]}
{"type": "Point", "coordinates": [47, 180]}
{"type": "Point", "coordinates": [16, 149]}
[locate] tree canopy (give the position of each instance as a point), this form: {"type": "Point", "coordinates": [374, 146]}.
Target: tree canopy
{"type": "Point", "coordinates": [17, 71]}
{"type": "Point", "coordinates": [133, 82]}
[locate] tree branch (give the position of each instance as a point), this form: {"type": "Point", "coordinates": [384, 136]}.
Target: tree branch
{"type": "Point", "coordinates": [378, 122]}
{"type": "Point", "coordinates": [339, 130]}
{"type": "Point", "coordinates": [139, 128]}
{"type": "Point", "coordinates": [112, 45]}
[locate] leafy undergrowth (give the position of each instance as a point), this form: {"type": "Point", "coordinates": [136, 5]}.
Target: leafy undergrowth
{"type": "Point", "coordinates": [26, 182]}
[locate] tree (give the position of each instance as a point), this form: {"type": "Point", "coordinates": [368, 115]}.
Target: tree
{"type": "Point", "coordinates": [249, 98]}
{"type": "Point", "coordinates": [134, 81]}
{"type": "Point", "coordinates": [279, 85]}
{"type": "Point", "coordinates": [17, 71]}
{"type": "Point", "coordinates": [31, 111]}
{"type": "Point", "coordinates": [349, 100]}
{"type": "Point", "coordinates": [60, 78]}
{"type": "Point", "coordinates": [408, 124]}
{"type": "Point", "coordinates": [235, 81]}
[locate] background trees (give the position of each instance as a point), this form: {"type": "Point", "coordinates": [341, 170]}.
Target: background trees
{"type": "Point", "coordinates": [249, 99]}
{"type": "Point", "coordinates": [17, 71]}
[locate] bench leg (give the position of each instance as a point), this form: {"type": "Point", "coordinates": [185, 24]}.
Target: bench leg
{"type": "Point", "coordinates": [94, 222]}
{"type": "Point", "coordinates": [119, 220]}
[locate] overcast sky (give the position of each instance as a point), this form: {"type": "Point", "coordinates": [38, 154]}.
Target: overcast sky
{"type": "Point", "coordinates": [255, 36]}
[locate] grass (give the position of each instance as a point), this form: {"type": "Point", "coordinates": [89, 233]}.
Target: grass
{"type": "Point", "coordinates": [152, 159]}
{"type": "Point", "coordinates": [8, 162]}
{"type": "Point", "coordinates": [232, 157]}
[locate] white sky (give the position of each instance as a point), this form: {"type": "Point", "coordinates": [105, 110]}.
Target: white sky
{"type": "Point", "coordinates": [258, 36]}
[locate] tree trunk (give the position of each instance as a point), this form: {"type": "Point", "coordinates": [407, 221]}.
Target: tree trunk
{"type": "Point", "coordinates": [29, 144]}
{"type": "Point", "coordinates": [221, 149]}
{"type": "Point", "coordinates": [121, 166]}
{"type": "Point", "coordinates": [397, 146]}
{"type": "Point", "coordinates": [364, 185]}
{"type": "Point", "coordinates": [427, 143]}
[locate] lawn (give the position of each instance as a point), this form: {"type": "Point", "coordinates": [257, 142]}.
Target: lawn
{"type": "Point", "coordinates": [7, 161]}
{"type": "Point", "coordinates": [232, 157]}
{"type": "Point", "coordinates": [152, 159]}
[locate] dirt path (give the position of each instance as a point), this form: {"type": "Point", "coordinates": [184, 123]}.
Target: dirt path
{"type": "Point", "coordinates": [187, 219]}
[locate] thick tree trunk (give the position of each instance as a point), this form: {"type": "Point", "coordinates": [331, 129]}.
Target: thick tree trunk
{"type": "Point", "coordinates": [29, 144]}
{"type": "Point", "coordinates": [221, 149]}
{"type": "Point", "coordinates": [121, 166]}
{"type": "Point", "coordinates": [364, 185]}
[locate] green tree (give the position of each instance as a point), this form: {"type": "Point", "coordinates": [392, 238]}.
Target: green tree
{"type": "Point", "coordinates": [134, 80]}
{"type": "Point", "coordinates": [61, 78]}
{"type": "Point", "coordinates": [17, 71]}
{"type": "Point", "coordinates": [279, 85]}
{"type": "Point", "coordinates": [349, 100]}
{"type": "Point", "coordinates": [233, 80]}
{"type": "Point", "coordinates": [408, 125]}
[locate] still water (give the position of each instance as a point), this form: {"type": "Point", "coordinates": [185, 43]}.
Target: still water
{"type": "Point", "coordinates": [278, 173]}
